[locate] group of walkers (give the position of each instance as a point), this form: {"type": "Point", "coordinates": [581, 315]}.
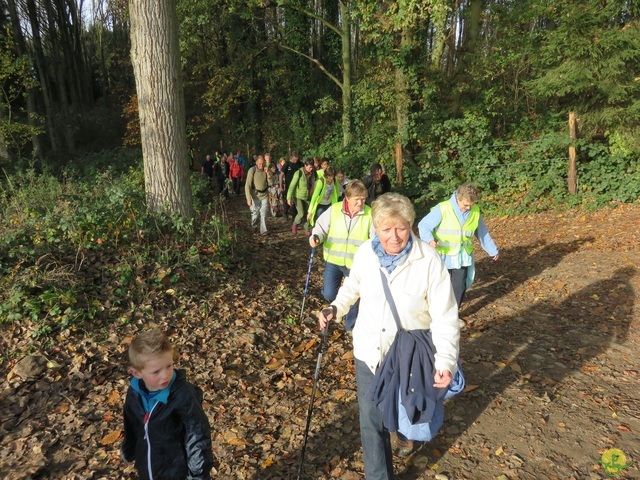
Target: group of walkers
{"type": "Point", "coordinates": [398, 293]}
{"type": "Point", "coordinates": [225, 171]}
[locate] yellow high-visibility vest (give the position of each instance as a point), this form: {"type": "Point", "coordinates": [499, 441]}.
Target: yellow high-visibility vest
{"type": "Point", "coordinates": [346, 235]}
{"type": "Point", "coordinates": [450, 235]}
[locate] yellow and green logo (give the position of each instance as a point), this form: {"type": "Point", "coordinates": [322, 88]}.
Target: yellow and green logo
{"type": "Point", "coordinates": [614, 461]}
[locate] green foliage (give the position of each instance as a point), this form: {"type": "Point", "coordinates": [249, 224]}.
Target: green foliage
{"type": "Point", "coordinates": [590, 62]}
{"type": "Point", "coordinates": [16, 77]}
{"type": "Point", "coordinates": [82, 248]}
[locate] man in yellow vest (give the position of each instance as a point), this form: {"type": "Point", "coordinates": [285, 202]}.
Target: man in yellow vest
{"type": "Point", "coordinates": [342, 229]}
{"type": "Point", "coordinates": [450, 227]}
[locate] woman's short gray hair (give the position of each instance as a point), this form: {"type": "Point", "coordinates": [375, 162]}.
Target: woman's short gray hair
{"type": "Point", "coordinates": [392, 206]}
{"type": "Point", "coordinates": [468, 192]}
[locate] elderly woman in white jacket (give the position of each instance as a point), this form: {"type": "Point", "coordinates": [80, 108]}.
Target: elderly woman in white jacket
{"type": "Point", "coordinates": [421, 290]}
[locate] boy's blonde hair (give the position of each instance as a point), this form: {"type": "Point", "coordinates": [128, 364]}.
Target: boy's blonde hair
{"type": "Point", "coordinates": [149, 343]}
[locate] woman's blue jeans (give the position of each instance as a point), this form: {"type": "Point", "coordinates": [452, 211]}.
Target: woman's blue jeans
{"type": "Point", "coordinates": [376, 441]}
{"type": "Point", "coordinates": [332, 279]}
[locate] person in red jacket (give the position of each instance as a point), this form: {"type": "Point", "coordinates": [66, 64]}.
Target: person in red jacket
{"type": "Point", "coordinates": [236, 173]}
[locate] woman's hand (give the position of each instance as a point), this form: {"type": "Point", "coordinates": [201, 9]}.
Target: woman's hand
{"type": "Point", "coordinates": [433, 243]}
{"type": "Point", "coordinates": [314, 241]}
{"type": "Point", "coordinates": [442, 379]}
{"type": "Point", "coordinates": [326, 315]}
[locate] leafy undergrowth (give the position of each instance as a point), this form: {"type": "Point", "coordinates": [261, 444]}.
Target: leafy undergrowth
{"type": "Point", "coordinates": [549, 354]}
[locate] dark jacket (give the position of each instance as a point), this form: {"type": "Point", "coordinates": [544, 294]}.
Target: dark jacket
{"type": "Point", "coordinates": [289, 169]}
{"type": "Point", "coordinates": [374, 190]}
{"type": "Point", "coordinates": [179, 435]}
{"type": "Point", "coordinates": [407, 369]}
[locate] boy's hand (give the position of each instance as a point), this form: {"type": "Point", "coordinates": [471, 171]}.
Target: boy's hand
{"type": "Point", "coordinates": [314, 241]}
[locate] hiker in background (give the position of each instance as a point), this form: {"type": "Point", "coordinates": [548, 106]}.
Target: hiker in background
{"type": "Point", "coordinates": [299, 192]}
{"type": "Point", "coordinates": [450, 227]}
{"type": "Point", "coordinates": [377, 183]}
{"type": "Point", "coordinates": [256, 190]}
{"type": "Point", "coordinates": [166, 431]}
{"type": "Point", "coordinates": [219, 177]}
{"type": "Point", "coordinates": [325, 193]}
{"type": "Point", "coordinates": [236, 173]}
{"type": "Point", "coordinates": [207, 168]}
{"type": "Point", "coordinates": [240, 158]}
{"type": "Point", "coordinates": [396, 267]}
{"type": "Point", "coordinates": [288, 170]}
{"type": "Point", "coordinates": [342, 183]}
{"type": "Point", "coordinates": [342, 229]}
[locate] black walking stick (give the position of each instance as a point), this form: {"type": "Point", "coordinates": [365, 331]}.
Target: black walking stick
{"type": "Point", "coordinates": [306, 285]}
{"type": "Point", "coordinates": [324, 331]}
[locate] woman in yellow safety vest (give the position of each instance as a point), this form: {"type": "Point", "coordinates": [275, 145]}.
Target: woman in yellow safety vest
{"type": "Point", "coordinates": [450, 227]}
{"type": "Point", "coordinates": [342, 229]}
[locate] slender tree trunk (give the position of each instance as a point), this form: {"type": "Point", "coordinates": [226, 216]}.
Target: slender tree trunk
{"type": "Point", "coordinates": [403, 95]}
{"type": "Point", "coordinates": [440, 32]}
{"type": "Point", "coordinates": [346, 74]}
{"type": "Point", "coordinates": [155, 56]}
{"type": "Point", "coordinates": [4, 148]}
{"type": "Point", "coordinates": [43, 76]}
{"type": "Point", "coordinates": [61, 73]}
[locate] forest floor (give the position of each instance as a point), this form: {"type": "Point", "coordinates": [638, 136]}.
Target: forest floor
{"type": "Point", "coordinates": [550, 355]}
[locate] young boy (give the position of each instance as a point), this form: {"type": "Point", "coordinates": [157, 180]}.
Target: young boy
{"type": "Point", "coordinates": [166, 430]}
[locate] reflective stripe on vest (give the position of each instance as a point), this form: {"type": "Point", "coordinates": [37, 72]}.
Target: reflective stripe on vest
{"type": "Point", "coordinates": [450, 235]}
{"type": "Point", "coordinates": [345, 235]}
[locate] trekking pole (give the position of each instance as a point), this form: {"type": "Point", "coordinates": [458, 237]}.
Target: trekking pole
{"type": "Point", "coordinates": [306, 285]}
{"type": "Point", "coordinates": [313, 392]}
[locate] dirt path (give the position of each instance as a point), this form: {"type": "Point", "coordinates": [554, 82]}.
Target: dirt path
{"type": "Point", "coordinates": [550, 356]}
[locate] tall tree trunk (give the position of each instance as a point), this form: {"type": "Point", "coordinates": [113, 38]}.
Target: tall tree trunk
{"type": "Point", "coordinates": [155, 56]}
{"type": "Point", "coordinates": [43, 76]}
{"type": "Point", "coordinates": [32, 112]}
{"type": "Point", "coordinates": [61, 73]}
{"type": "Point", "coordinates": [345, 33]}
{"type": "Point", "coordinates": [403, 94]}
{"type": "Point", "coordinates": [440, 33]}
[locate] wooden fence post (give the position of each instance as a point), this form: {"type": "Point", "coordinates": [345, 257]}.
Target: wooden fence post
{"type": "Point", "coordinates": [572, 178]}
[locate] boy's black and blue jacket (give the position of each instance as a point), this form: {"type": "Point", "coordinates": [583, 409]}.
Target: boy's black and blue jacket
{"type": "Point", "coordinates": [170, 437]}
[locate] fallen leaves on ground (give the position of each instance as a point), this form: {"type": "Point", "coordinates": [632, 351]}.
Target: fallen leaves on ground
{"type": "Point", "coordinates": [557, 309]}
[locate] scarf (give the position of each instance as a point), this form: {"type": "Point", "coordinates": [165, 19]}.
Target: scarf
{"type": "Point", "coordinates": [387, 261]}
{"type": "Point", "coordinates": [149, 399]}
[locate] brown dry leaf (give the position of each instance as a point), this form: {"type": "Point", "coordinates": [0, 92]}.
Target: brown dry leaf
{"type": "Point", "coordinates": [268, 463]}
{"type": "Point", "coordinates": [272, 365]}
{"type": "Point", "coordinates": [111, 438]}
{"type": "Point", "coordinates": [114, 397]}
{"type": "Point", "coordinates": [435, 453]}
{"type": "Point", "coordinates": [498, 452]}
{"type": "Point", "coordinates": [237, 441]}
{"type": "Point", "coordinates": [306, 346]}
{"type": "Point", "coordinates": [590, 368]}
{"type": "Point", "coordinates": [470, 388]}
{"type": "Point", "coordinates": [623, 427]}
{"type": "Point", "coordinates": [62, 408]}
{"type": "Point", "coordinates": [515, 367]}
{"type": "Point", "coordinates": [348, 355]}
